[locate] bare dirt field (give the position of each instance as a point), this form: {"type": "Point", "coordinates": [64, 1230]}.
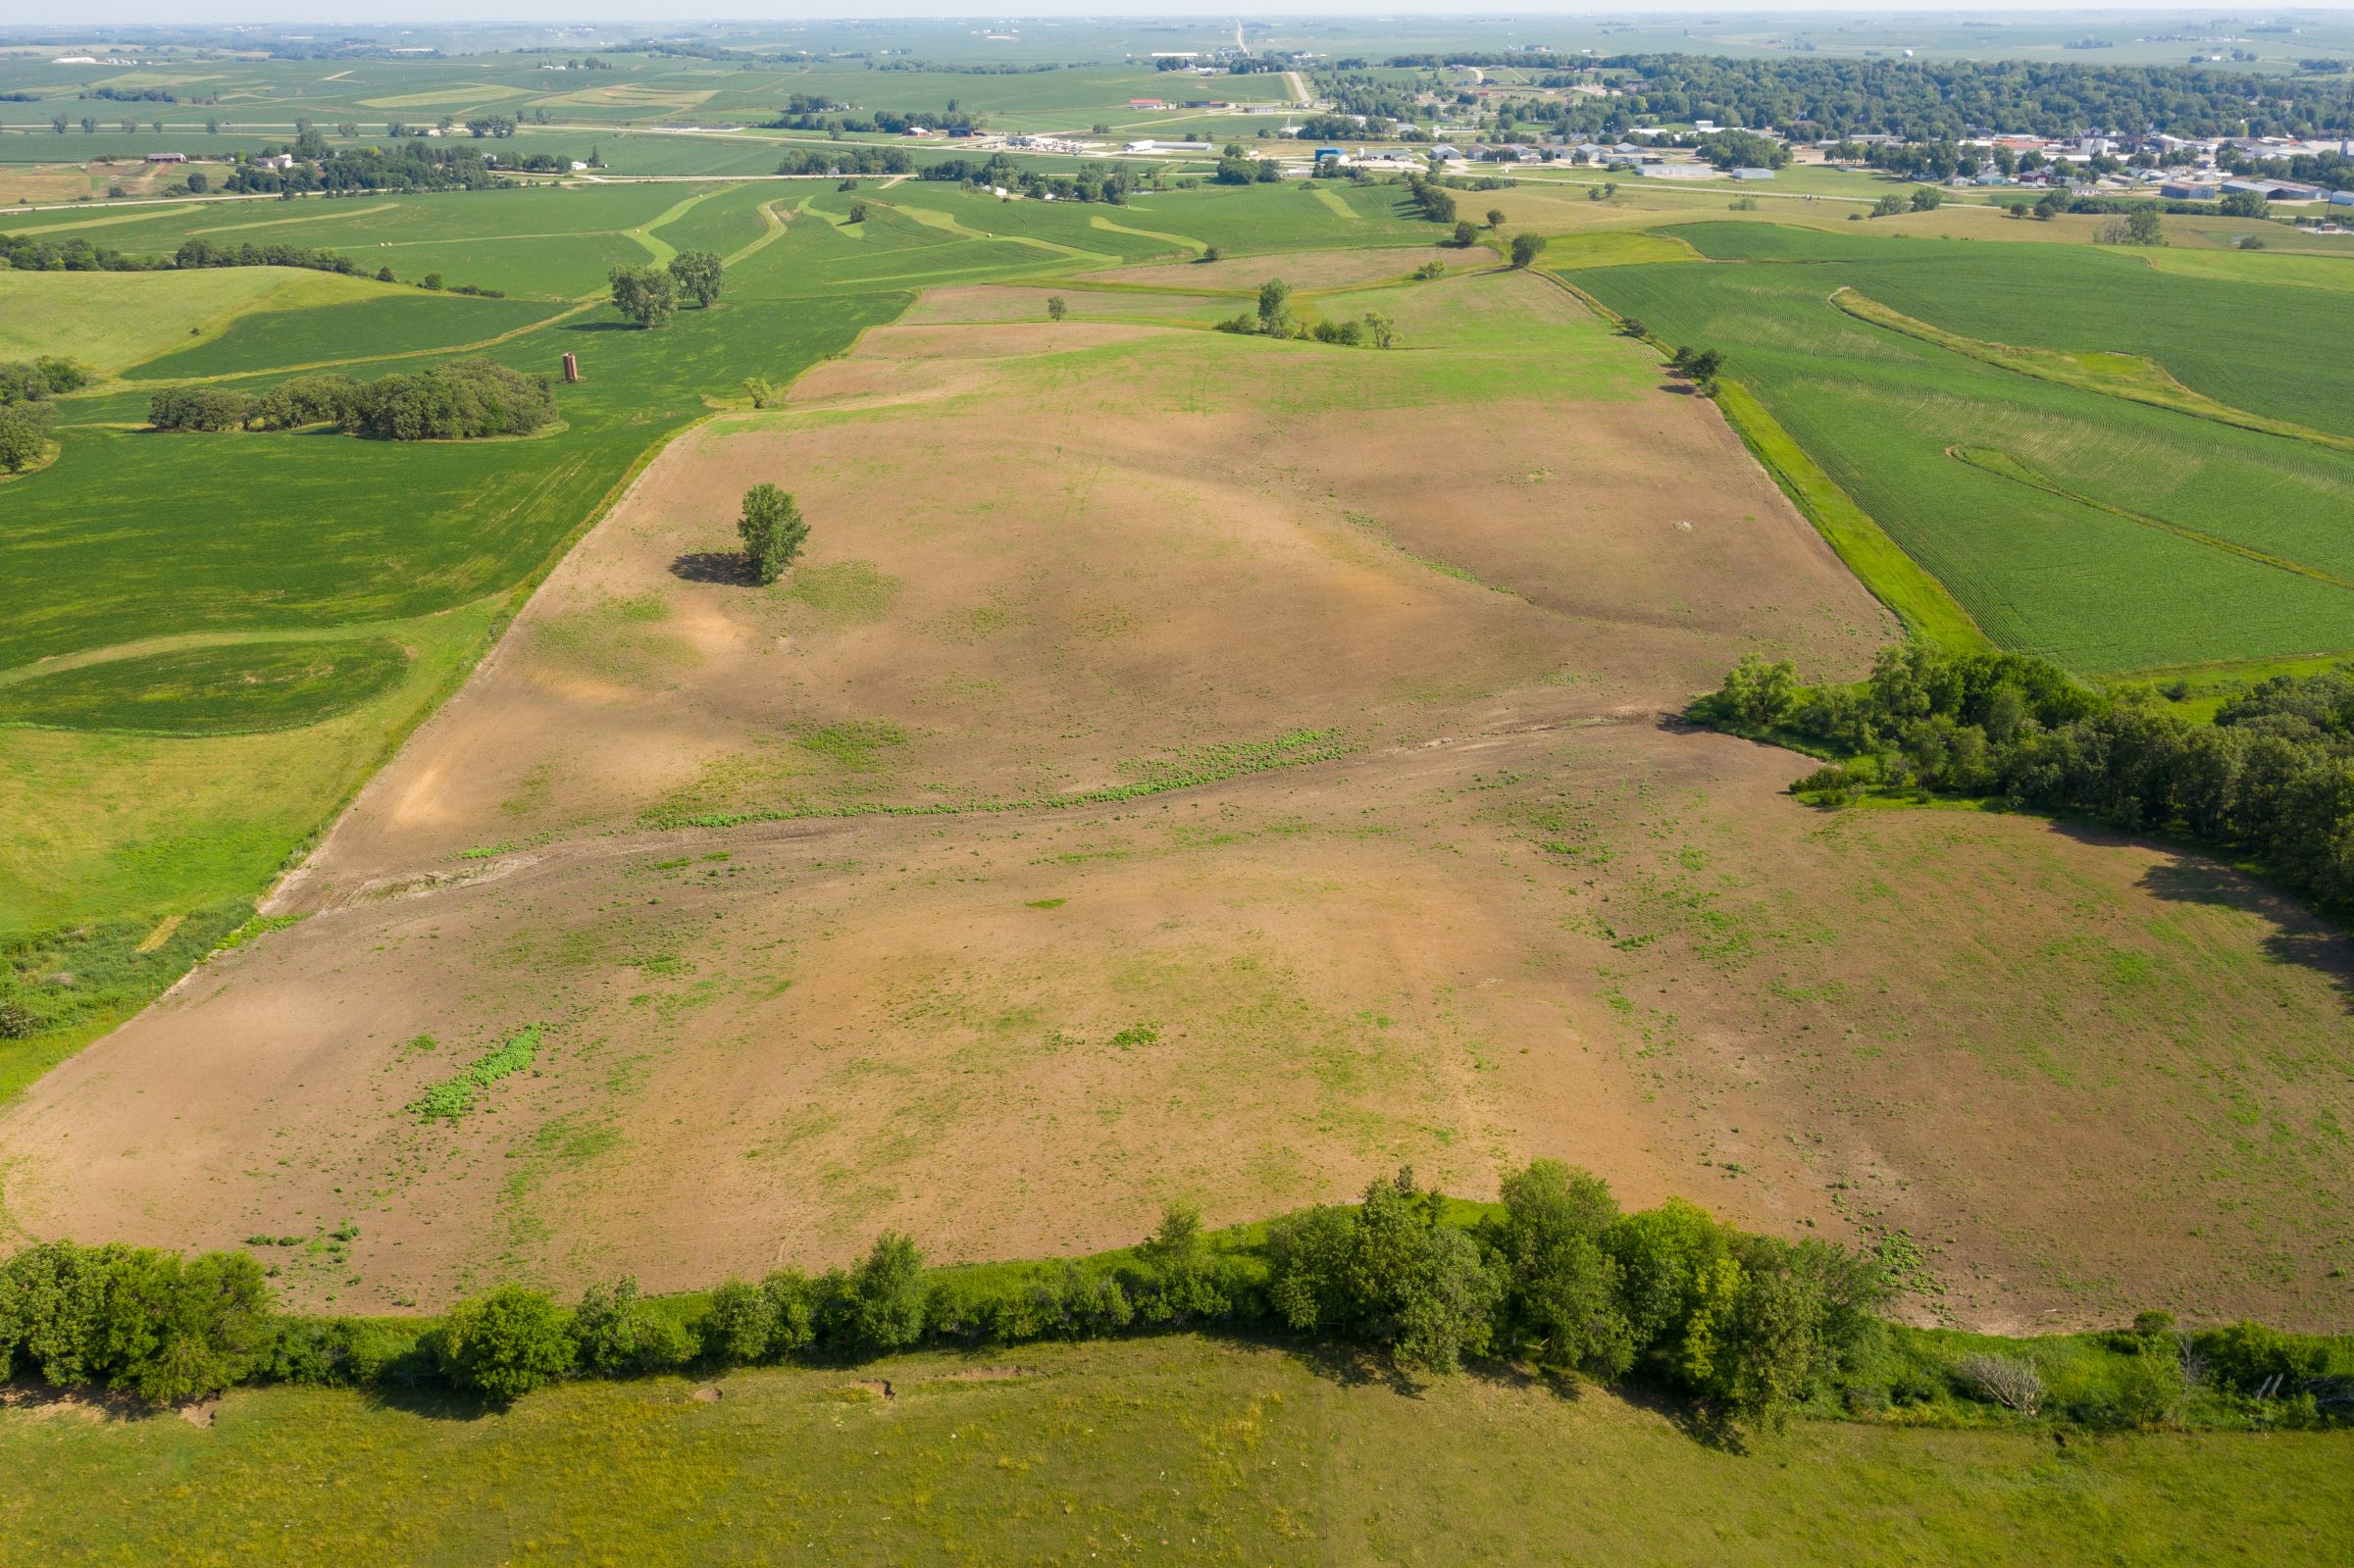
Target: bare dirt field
{"type": "Point", "coordinates": [1193, 766]}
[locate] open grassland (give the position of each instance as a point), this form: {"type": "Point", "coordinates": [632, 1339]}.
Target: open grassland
{"type": "Point", "coordinates": [112, 321]}
{"type": "Point", "coordinates": [2085, 584]}
{"type": "Point", "coordinates": [1161, 1449]}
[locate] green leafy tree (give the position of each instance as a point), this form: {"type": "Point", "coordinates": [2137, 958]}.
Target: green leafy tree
{"type": "Point", "coordinates": [1181, 1278]}
{"type": "Point", "coordinates": [740, 1325]}
{"type": "Point", "coordinates": [1527, 248]}
{"type": "Point", "coordinates": [1494, 217]}
{"type": "Point", "coordinates": [878, 1306]}
{"type": "Point", "coordinates": [647, 295]}
{"type": "Point", "coordinates": [24, 434]}
{"type": "Point", "coordinates": [1057, 308]}
{"type": "Point", "coordinates": [1275, 308]}
{"type": "Point", "coordinates": [1928, 198]}
{"type": "Point", "coordinates": [698, 275]}
{"type": "Point", "coordinates": [1467, 233]}
{"type": "Point", "coordinates": [1888, 206]}
{"type": "Point", "coordinates": [1758, 693]}
{"type": "Point", "coordinates": [1560, 1283]}
{"type": "Point", "coordinates": [1389, 1272]}
{"type": "Point", "coordinates": [1380, 330]}
{"type": "Point", "coordinates": [616, 1330]}
{"type": "Point", "coordinates": [504, 1344]}
{"type": "Point", "coordinates": [2142, 227]}
{"type": "Point", "coordinates": [772, 532]}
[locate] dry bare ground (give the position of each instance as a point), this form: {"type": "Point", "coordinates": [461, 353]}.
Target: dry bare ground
{"type": "Point", "coordinates": [1071, 590]}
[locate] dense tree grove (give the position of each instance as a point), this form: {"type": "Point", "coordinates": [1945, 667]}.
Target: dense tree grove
{"type": "Point", "coordinates": [27, 418]}
{"type": "Point", "coordinates": [465, 399]}
{"type": "Point", "coordinates": [2273, 777]}
{"type": "Point", "coordinates": [1555, 1275]}
{"type": "Point", "coordinates": [1927, 100]}
{"type": "Point", "coordinates": [849, 158]}
{"type": "Point", "coordinates": [416, 164]}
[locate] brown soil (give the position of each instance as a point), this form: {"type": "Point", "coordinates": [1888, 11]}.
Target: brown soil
{"type": "Point", "coordinates": [1522, 914]}
{"type": "Point", "coordinates": [1314, 269]}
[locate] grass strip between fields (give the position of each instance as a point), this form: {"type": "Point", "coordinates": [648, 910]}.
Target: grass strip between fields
{"type": "Point", "coordinates": [2126, 377]}
{"type": "Point", "coordinates": [2003, 464]}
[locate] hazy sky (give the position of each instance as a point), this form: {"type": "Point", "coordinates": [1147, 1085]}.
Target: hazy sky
{"type": "Point", "coordinates": [49, 14]}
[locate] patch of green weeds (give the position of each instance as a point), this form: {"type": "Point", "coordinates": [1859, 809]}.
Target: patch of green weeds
{"type": "Point", "coordinates": [453, 1097]}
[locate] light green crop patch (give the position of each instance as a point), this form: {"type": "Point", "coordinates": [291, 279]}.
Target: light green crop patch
{"type": "Point", "coordinates": [453, 1097]}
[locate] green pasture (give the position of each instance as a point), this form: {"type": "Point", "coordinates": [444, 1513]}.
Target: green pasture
{"type": "Point", "coordinates": [327, 333]}
{"type": "Point", "coordinates": [2101, 566]}
{"type": "Point", "coordinates": [1171, 1448]}
{"type": "Point", "coordinates": [111, 321]}
{"type": "Point", "coordinates": [210, 690]}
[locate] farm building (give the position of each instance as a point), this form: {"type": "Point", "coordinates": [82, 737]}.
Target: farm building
{"type": "Point", "coordinates": [2272, 190]}
{"type": "Point", "coordinates": [1753, 173]}
{"type": "Point", "coordinates": [167, 157]}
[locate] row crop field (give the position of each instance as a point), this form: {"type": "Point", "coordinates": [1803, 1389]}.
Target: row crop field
{"type": "Point", "coordinates": [2144, 537]}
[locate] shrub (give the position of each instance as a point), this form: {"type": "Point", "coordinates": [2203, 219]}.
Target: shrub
{"type": "Point", "coordinates": [2246, 1357]}
{"type": "Point", "coordinates": [615, 1330]}
{"type": "Point", "coordinates": [878, 1306]}
{"type": "Point", "coordinates": [504, 1344]}
{"type": "Point", "coordinates": [741, 1322]}
{"type": "Point", "coordinates": [792, 1299]}
{"type": "Point", "coordinates": [1177, 1278]}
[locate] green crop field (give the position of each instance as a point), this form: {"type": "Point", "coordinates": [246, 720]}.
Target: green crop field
{"type": "Point", "coordinates": [2038, 568]}
{"type": "Point", "coordinates": [1159, 1450]}
{"type": "Point", "coordinates": [212, 690]}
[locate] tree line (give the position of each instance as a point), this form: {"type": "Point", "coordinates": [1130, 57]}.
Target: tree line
{"type": "Point", "coordinates": [466, 400]}
{"type": "Point", "coordinates": [2271, 778]}
{"type": "Point", "coordinates": [1556, 1276]}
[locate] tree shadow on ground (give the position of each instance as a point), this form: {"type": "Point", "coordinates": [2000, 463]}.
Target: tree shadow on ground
{"type": "Point", "coordinates": [728, 567]}
{"type": "Point", "coordinates": [2298, 935]}
{"type": "Point", "coordinates": [431, 1401]}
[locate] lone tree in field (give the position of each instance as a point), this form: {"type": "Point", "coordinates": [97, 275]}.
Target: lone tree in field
{"type": "Point", "coordinates": [772, 532]}
{"type": "Point", "coordinates": [647, 295]}
{"type": "Point", "coordinates": [698, 275]}
{"type": "Point", "coordinates": [1527, 248]}
{"type": "Point", "coordinates": [1275, 308]}
{"type": "Point", "coordinates": [1494, 217]}
{"type": "Point", "coordinates": [1056, 309]}
{"type": "Point", "coordinates": [1380, 330]}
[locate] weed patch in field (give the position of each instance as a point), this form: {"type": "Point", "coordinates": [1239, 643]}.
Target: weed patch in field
{"type": "Point", "coordinates": [451, 1098]}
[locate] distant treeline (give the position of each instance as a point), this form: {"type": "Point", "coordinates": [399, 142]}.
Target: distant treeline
{"type": "Point", "coordinates": [1924, 100]}
{"type": "Point", "coordinates": [2271, 778]}
{"type": "Point", "coordinates": [19, 252]}
{"type": "Point", "coordinates": [1745, 1327]}
{"type": "Point", "coordinates": [889, 122]}
{"type": "Point", "coordinates": [466, 400]}
{"type": "Point", "coordinates": [1089, 182]}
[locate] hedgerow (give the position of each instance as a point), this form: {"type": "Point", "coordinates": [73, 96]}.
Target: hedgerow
{"type": "Point", "coordinates": [1746, 1328]}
